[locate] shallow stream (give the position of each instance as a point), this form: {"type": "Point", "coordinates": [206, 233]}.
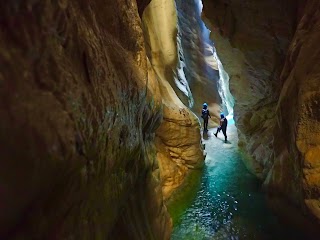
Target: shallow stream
{"type": "Point", "coordinates": [229, 203]}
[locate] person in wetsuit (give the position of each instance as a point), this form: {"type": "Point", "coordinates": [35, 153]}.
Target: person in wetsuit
{"type": "Point", "coordinates": [223, 127]}
{"type": "Point", "coordinates": [205, 115]}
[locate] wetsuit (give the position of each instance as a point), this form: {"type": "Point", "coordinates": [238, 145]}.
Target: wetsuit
{"type": "Point", "coordinates": [223, 127]}
{"type": "Point", "coordinates": [205, 115]}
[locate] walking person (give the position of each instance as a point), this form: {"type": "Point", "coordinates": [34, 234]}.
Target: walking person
{"type": "Point", "coordinates": [223, 127]}
{"type": "Point", "coordinates": [205, 116]}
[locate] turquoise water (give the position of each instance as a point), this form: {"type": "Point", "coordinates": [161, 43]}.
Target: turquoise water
{"type": "Point", "coordinates": [229, 203]}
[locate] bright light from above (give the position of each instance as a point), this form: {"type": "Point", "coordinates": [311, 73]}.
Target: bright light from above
{"type": "Point", "coordinates": [230, 119]}
{"type": "Point", "coordinates": [200, 6]}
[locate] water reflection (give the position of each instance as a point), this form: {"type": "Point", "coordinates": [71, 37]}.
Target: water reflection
{"type": "Point", "coordinates": [229, 204]}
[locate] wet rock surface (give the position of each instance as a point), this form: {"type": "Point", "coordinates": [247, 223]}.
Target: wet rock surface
{"type": "Point", "coordinates": [79, 111]}
{"type": "Point", "coordinates": [269, 50]}
{"type": "Point", "coordinates": [252, 39]}
{"type": "Point", "coordinates": [93, 137]}
{"type": "Point", "coordinates": [196, 55]}
{"type": "Point", "coordinates": [178, 138]}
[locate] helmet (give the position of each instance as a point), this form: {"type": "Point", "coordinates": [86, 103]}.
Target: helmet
{"type": "Point", "coordinates": [205, 106]}
{"type": "Point", "coordinates": [222, 115]}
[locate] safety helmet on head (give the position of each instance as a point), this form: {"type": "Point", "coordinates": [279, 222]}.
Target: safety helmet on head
{"type": "Point", "coordinates": [205, 106]}
{"type": "Point", "coordinates": [222, 115]}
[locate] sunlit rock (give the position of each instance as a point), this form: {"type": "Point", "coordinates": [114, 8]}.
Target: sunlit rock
{"type": "Point", "coordinates": [178, 137]}
{"type": "Point", "coordinates": [79, 111]}
{"type": "Point", "coordinates": [200, 67]}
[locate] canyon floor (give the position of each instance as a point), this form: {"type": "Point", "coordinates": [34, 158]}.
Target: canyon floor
{"type": "Point", "coordinates": [229, 203]}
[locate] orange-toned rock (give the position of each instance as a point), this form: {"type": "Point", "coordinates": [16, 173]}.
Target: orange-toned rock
{"type": "Point", "coordinates": [298, 107]}
{"type": "Point", "coordinates": [77, 123]}
{"type": "Point", "coordinates": [178, 139]}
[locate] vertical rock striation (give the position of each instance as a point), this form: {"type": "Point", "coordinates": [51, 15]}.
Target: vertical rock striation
{"type": "Point", "coordinates": [269, 50]}
{"type": "Point", "coordinates": [201, 69]}
{"type": "Point", "coordinates": [79, 109]}
{"type": "Point", "coordinates": [297, 158]}
{"type": "Point", "coordinates": [199, 65]}
{"type": "Point", "coordinates": [251, 39]}
{"type": "Point", "coordinates": [93, 137]}
{"type": "Point", "coordinates": [178, 137]}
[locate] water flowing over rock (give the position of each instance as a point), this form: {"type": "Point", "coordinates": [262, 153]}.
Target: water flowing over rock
{"type": "Point", "coordinates": [269, 50]}
{"type": "Point", "coordinates": [97, 131]}
{"type": "Point", "coordinates": [199, 65]}
{"type": "Point", "coordinates": [224, 89]}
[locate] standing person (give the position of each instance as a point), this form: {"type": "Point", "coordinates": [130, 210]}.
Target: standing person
{"type": "Point", "coordinates": [223, 127]}
{"type": "Point", "coordinates": [205, 115]}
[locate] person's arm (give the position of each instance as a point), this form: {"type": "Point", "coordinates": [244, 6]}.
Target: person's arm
{"type": "Point", "coordinates": [209, 114]}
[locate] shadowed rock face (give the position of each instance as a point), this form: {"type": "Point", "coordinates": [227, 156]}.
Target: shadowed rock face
{"type": "Point", "coordinates": [298, 113]}
{"type": "Point", "coordinates": [142, 4]}
{"type": "Point", "coordinates": [252, 39]}
{"type": "Point", "coordinates": [269, 50]}
{"type": "Point", "coordinates": [93, 137]}
{"type": "Point", "coordinates": [79, 110]}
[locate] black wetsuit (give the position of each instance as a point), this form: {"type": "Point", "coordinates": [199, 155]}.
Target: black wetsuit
{"type": "Point", "coordinates": [223, 127]}
{"type": "Point", "coordinates": [205, 115]}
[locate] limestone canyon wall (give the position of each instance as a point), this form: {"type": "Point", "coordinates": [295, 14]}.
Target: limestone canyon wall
{"type": "Point", "coordinates": [269, 48]}
{"type": "Point", "coordinates": [80, 105]}
{"type": "Point", "coordinates": [199, 65]}
{"type": "Point", "coordinates": [178, 138]}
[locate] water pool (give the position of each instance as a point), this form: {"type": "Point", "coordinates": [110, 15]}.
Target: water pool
{"type": "Point", "coordinates": [229, 203]}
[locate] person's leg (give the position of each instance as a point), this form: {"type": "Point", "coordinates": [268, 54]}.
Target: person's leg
{"type": "Point", "coordinates": [205, 124]}
{"type": "Point", "coordinates": [218, 130]}
{"type": "Point", "coordinates": [224, 130]}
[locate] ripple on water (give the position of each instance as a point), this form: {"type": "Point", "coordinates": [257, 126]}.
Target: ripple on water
{"type": "Point", "coordinates": [229, 204]}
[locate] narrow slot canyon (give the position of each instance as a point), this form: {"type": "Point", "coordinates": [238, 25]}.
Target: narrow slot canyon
{"type": "Point", "coordinates": [102, 130]}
